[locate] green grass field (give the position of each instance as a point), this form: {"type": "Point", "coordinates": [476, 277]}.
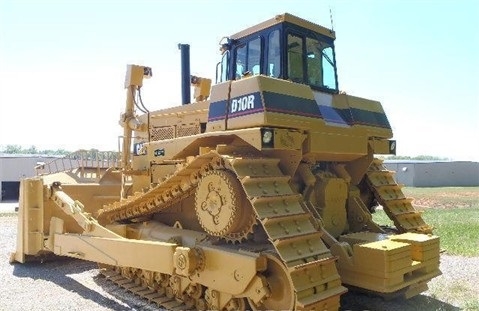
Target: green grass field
{"type": "Point", "coordinates": [454, 214]}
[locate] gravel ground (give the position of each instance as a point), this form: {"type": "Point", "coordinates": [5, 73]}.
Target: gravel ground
{"type": "Point", "coordinates": [76, 285]}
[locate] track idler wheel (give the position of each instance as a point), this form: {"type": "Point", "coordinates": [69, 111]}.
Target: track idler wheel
{"type": "Point", "coordinates": [222, 208]}
{"type": "Point", "coordinates": [282, 295]}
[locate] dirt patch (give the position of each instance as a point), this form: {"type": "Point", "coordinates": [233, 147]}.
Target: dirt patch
{"type": "Point", "coordinates": [431, 203]}
{"type": "Point", "coordinates": [444, 198]}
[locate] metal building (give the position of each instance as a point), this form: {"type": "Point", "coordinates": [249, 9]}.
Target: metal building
{"type": "Point", "coordinates": [413, 173]}
{"type": "Point", "coordinates": [14, 167]}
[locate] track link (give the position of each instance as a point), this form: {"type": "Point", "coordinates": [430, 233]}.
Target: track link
{"type": "Point", "coordinates": [397, 206]}
{"type": "Point", "coordinates": [157, 291]}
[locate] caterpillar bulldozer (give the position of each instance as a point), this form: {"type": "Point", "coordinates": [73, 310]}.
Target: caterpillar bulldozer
{"type": "Point", "coordinates": [257, 194]}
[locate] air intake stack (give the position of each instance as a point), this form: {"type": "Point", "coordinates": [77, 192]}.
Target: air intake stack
{"type": "Point", "coordinates": [185, 73]}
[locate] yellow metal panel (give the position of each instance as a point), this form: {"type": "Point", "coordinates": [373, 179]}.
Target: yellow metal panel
{"type": "Point", "coordinates": [380, 146]}
{"type": "Point", "coordinates": [298, 122]}
{"type": "Point", "coordinates": [241, 268]}
{"type": "Point", "coordinates": [362, 237]}
{"type": "Point", "coordinates": [244, 86]}
{"type": "Point", "coordinates": [202, 89]}
{"type": "Point", "coordinates": [256, 119]}
{"type": "Point", "coordinates": [340, 101]}
{"type": "Point", "coordinates": [288, 18]}
{"type": "Point", "coordinates": [363, 103]}
{"type": "Point", "coordinates": [287, 139]}
{"type": "Point", "coordinates": [336, 147]}
{"type": "Point", "coordinates": [30, 223]}
{"type": "Point", "coordinates": [423, 247]}
{"type": "Point", "coordinates": [134, 75]}
{"type": "Point", "coordinates": [153, 256]}
{"type": "Point", "coordinates": [279, 86]}
{"type": "Point", "coordinates": [388, 283]}
{"type": "Point", "coordinates": [382, 256]}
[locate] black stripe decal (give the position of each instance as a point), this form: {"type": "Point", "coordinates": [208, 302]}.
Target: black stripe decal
{"type": "Point", "coordinates": [365, 117]}
{"type": "Point", "coordinates": [333, 115]}
{"type": "Point", "coordinates": [288, 104]}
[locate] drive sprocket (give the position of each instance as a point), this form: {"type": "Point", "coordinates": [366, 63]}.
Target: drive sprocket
{"type": "Point", "coordinates": [222, 207]}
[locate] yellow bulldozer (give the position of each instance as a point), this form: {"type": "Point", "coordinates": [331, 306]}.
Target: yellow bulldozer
{"type": "Point", "coordinates": [256, 195]}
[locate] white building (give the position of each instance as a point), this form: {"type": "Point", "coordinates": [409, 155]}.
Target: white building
{"type": "Point", "coordinates": [14, 167]}
{"type": "Point", "coordinates": [414, 173]}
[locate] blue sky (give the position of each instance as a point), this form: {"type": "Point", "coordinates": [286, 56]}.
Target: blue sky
{"type": "Point", "coordinates": [62, 64]}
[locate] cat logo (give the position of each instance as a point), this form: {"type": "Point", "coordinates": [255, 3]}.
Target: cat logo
{"type": "Point", "coordinates": [242, 103]}
{"type": "Point", "coordinates": [159, 152]}
{"type": "Point", "coordinates": [139, 149]}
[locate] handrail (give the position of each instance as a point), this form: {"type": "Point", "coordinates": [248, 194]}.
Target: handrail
{"type": "Point", "coordinates": [82, 159]}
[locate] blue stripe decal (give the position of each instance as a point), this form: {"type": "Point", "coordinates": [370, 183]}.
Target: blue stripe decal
{"type": "Point", "coordinates": [217, 110]}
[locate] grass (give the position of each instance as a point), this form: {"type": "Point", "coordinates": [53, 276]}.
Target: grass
{"type": "Point", "coordinates": [458, 229]}
{"type": "Point", "coordinates": [471, 305]}
{"type": "Point", "coordinates": [454, 214]}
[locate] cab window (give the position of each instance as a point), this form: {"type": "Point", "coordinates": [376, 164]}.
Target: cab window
{"type": "Point", "coordinates": [328, 65]}
{"type": "Point", "coordinates": [254, 56]}
{"type": "Point", "coordinates": [222, 68]}
{"type": "Point", "coordinates": [248, 58]}
{"type": "Point", "coordinates": [241, 53]}
{"type": "Point", "coordinates": [295, 58]}
{"type": "Point", "coordinates": [314, 62]}
{"type": "Point", "coordinates": [274, 55]}
{"type": "Point", "coordinates": [311, 61]}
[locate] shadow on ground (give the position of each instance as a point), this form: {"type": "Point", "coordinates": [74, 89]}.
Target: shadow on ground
{"type": "Point", "coordinates": [58, 272]}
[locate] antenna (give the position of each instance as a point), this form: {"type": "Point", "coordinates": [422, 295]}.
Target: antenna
{"type": "Point", "coordinates": [331, 17]}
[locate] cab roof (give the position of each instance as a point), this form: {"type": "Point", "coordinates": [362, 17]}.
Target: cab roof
{"type": "Point", "coordinates": [286, 17]}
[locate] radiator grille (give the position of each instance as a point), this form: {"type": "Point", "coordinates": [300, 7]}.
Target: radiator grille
{"type": "Point", "coordinates": [161, 133]}
{"type": "Point", "coordinates": [187, 130]}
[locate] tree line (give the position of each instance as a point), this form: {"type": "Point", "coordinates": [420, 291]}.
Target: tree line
{"type": "Point", "coordinates": [17, 149]}
{"type": "Point", "coordinates": [90, 154]}
{"type": "Point", "coordinates": [419, 158]}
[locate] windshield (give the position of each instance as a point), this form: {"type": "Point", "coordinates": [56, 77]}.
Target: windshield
{"type": "Point", "coordinates": [311, 61]}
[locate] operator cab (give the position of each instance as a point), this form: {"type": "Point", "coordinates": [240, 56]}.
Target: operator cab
{"type": "Point", "coordinates": [285, 47]}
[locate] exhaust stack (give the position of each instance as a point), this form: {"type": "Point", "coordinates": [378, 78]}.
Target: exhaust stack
{"type": "Point", "coordinates": [185, 73]}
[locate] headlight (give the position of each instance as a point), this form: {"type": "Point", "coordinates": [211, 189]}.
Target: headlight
{"type": "Point", "coordinates": [392, 147]}
{"type": "Point", "coordinates": [267, 136]}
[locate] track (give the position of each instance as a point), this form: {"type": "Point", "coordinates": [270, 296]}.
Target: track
{"type": "Point", "coordinates": [301, 260]}
{"type": "Point", "coordinates": [396, 205]}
